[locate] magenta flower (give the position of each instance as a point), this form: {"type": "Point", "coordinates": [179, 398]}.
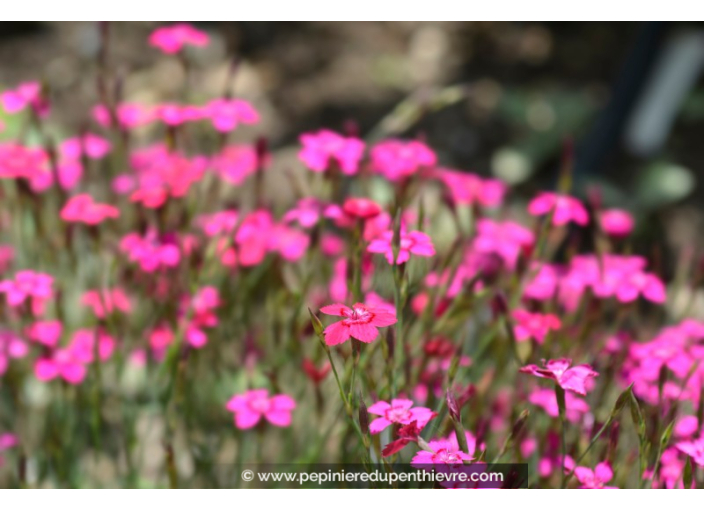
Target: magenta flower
{"type": "Point", "coordinates": [695, 449]}
{"type": "Point", "coordinates": [7, 441]}
{"type": "Point", "coordinates": [534, 325]}
{"type": "Point", "coordinates": [362, 208]}
{"type": "Point", "coordinates": [505, 239]}
{"type": "Point", "coordinates": [227, 114]}
{"type": "Point", "coordinates": [235, 163]}
{"type": "Point", "coordinates": [83, 209]}
{"type": "Point", "coordinates": [104, 302]}
{"type": "Point", "coordinates": [307, 212]}
{"type": "Point", "coordinates": [45, 332]}
{"type": "Point", "coordinates": [414, 242]}
{"type": "Point", "coordinates": [573, 379]}
{"type": "Point", "coordinates": [446, 451]}
{"type": "Point", "coordinates": [128, 115]}
{"type": "Point", "coordinates": [397, 159]}
{"type": "Point", "coordinates": [26, 94]}
{"type": "Point", "coordinates": [467, 189]}
{"type": "Point", "coordinates": [150, 252]}
{"type": "Point", "coordinates": [595, 479]}
{"type": "Point", "coordinates": [322, 148]}
{"type": "Point", "coordinates": [173, 38]}
{"type": "Point", "coordinates": [89, 145]}
{"type": "Point", "coordinates": [400, 411]}
{"type": "Point", "coordinates": [28, 285]}
{"type": "Point", "coordinates": [11, 347]}
{"type": "Point", "coordinates": [250, 406]}
{"type": "Point", "coordinates": [64, 364]}
{"type": "Point", "coordinates": [616, 222]}
{"type": "Point", "coordinates": [566, 208]}
{"type": "Point", "coordinates": [575, 407]}
{"type": "Point", "coordinates": [360, 322]}
{"type": "Point", "coordinates": [173, 114]}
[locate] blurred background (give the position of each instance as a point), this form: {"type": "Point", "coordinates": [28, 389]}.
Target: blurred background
{"type": "Point", "coordinates": [492, 98]}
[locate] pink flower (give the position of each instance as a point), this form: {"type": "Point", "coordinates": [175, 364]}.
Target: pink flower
{"type": "Point", "coordinates": [28, 284]}
{"type": "Point", "coordinates": [11, 347]}
{"type": "Point", "coordinates": [173, 38]}
{"type": "Point", "coordinates": [227, 114]}
{"type": "Point", "coordinates": [534, 325]}
{"type": "Point", "coordinates": [83, 209]}
{"type": "Point", "coordinates": [695, 449]}
{"type": "Point", "coordinates": [445, 451]}
{"type": "Point", "coordinates": [360, 322]}
{"type": "Point", "coordinates": [414, 242]}
{"type": "Point", "coordinates": [45, 332]}
{"type": "Point", "coordinates": [505, 239]}
{"type": "Point", "coordinates": [63, 363]}
{"type": "Point", "coordinates": [26, 94]}
{"type": "Point", "coordinates": [362, 208]}
{"type": "Point", "coordinates": [251, 406]}
{"type": "Point", "coordinates": [595, 479]}
{"type": "Point", "coordinates": [396, 159]}
{"type": "Point", "coordinates": [616, 222]}
{"type": "Point", "coordinates": [128, 115]}
{"type": "Point", "coordinates": [235, 163]}
{"type": "Point", "coordinates": [573, 379]}
{"type": "Point", "coordinates": [307, 212]}
{"type": "Point", "coordinates": [400, 411]}
{"type": "Point", "coordinates": [467, 189]}
{"type": "Point", "coordinates": [107, 301]}
{"type": "Point", "coordinates": [575, 407]}
{"type": "Point", "coordinates": [173, 114]}
{"type": "Point", "coordinates": [90, 145]}
{"type": "Point", "coordinates": [150, 252]}
{"type": "Point", "coordinates": [566, 208]}
{"type": "Point", "coordinates": [322, 148]}
{"type": "Point", "coordinates": [218, 223]}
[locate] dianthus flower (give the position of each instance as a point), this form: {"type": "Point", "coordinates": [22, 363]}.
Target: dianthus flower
{"type": "Point", "coordinates": [575, 407]}
{"type": "Point", "coordinates": [566, 209]}
{"type": "Point", "coordinates": [324, 147]}
{"type": "Point", "coordinates": [104, 302]}
{"type": "Point", "coordinates": [89, 145]}
{"type": "Point", "coordinates": [360, 322]}
{"type": "Point", "coordinates": [534, 325]}
{"type": "Point", "coordinates": [595, 479]}
{"type": "Point", "coordinates": [227, 114]}
{"type": "Point", "coordinates": [234, 163]}
{"type": "Point", "coordinates": [573, 379]}
{"type": "Point", "coordinates": [446, 451]}
{"type": "Point", "coordinates": [397, 159]}
{"type": "Point", "coordinates": [616, 222]}
{"type": "Point", "coordinates": [173, 38]}
{"type": "Point", "coordinates": [11, 347]}
{"type": "Point", "coordinates": [399, 411]}
{"type": "Point", "coordinates": [26, 94]}
{"type": "Point", "coordinates": [83, 209]}
{"type": "Point", "coordinates": [28, 284]}
{"type": "Point", "coordinates": [45, 332]}
{"type": "Point", "coordinates": [150, 252]}
{"type": "Point", "coordinates": [467, 189]}
{"type": "Point", "coordinates": [415, 242]}
{"type": "Point", "coordinates": [250, 406]}
{"type": "Point", "coordinates": [505, 239]}
{"type": "Point", "coordinates": [128, 115]}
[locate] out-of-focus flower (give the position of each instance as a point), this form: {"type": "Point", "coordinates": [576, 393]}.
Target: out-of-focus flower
{"type": "Point", "coordinates": [573, 379]}
{"type": "Point", "coordinates": [314, 373]}
{"type": "Point", "coordinates": [505, 239]}
{"type": "Point", "coordinates": [89, 144]}
{"type": "Point", "coordinates": [534, 325]}
{"type": "Point", "coordinates": [128, 115]}
{"type": "Point", "coordinates": [397, 159]}
{"type": "Point", "coordinates": [616, 222]}
{"type": "Point", "coordinates": [400, 411]}
{"type": "Point", "coordinates": [150, 252]}
{"type": "Point", "coordinates": [324, 147]}
{"type": "Point", "coordinates": [565, 208]}
{"type": "Point", "coordinates": [415, 242]}
{"type": "Point", "coordinates": [26, 94]}
{"type": "Point", "coordinates": [83, 209]}
{"type": "Point", "coordinates": [28, 284]}
{"type": "Point", "coordinates": [467, 189]}
{"type": "Point", "coordinates": [362, 208]}
{"type": "Point", "coordinates": [695, 449]}
{"type": "Point", "coordinates": [360, 322]}
{"type": "Point", "coordinates": [595, 479]}
{"type": "Point", "coordinates": [251, 406]}
{"type": "Point", "coordinates": [173, 38]}
{"type": "Point", "coordinates": [11, 347]}
{"type": "Point", "coordinates": [45, 332]}
{"type": "Point", "coordinates": [234, 163]}
{"type": "Point", "coordinates": [575, 407]}
{"type": "Point", "coordinates": [104, 302]}
{"type": "Point", "coordinates": [227, 114]}
{"type": "Point", "coordinates": [173, 114]}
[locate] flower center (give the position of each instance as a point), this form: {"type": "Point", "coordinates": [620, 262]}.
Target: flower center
{"type": "Point", "coordinates": [448, 457]}
{"type": "Point", "coordinates": [397, 415]}
{"type": "Point", "coordinates": [260, 405]}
